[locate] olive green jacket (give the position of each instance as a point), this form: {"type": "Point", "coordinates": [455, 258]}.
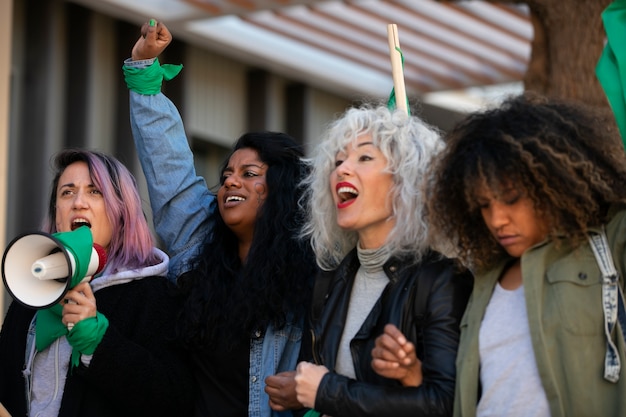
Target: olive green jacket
{"type": "Point", "coordinates": [563, 290]}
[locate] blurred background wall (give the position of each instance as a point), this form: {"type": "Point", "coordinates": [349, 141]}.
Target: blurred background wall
{"type": "Point", "coordinates": [61, 86]}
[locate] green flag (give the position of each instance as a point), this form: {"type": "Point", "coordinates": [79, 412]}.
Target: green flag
{"type": "Point", "coordinates": [611, 68]}
{"type": "Point", "coordinates": [391, 102]}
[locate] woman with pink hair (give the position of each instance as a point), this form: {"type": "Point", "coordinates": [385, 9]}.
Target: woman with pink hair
{"type": "Point", "coordinates": [106, 349]}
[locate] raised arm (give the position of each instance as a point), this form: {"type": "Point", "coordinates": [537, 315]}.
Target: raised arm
{"type": "Point", "coordinates": [180, 200]}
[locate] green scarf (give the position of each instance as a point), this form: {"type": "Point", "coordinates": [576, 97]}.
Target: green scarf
{"type": "Point", "coordinates": [147, 81]}
{"type": "Point", "coordinates": [86, 334]}
{"type": "Point", "coordinates": [84, 337]}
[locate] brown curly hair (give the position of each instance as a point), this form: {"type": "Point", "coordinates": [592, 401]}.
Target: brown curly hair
{"type": "Point", "coordinates": [566, 157]}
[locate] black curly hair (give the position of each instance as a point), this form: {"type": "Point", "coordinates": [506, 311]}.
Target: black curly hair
{"type": "Point", "coordinates": [566, 157]}
{"type": "Point", "coordinates": [228, 300]}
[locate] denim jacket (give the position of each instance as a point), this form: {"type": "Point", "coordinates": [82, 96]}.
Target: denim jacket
{"type": "Point", "coordinates": [181, 205]}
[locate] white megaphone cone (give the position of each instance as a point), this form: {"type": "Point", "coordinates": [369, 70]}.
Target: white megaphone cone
{"type": "Point", "coordinates": [39, 268]}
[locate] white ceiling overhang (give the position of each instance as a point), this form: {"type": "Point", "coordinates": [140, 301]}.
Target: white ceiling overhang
{"type": "Point", "coordinates": [342, 45]}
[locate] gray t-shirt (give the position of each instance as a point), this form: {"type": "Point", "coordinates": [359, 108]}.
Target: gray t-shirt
{"type": "Point", "coordinates": [508, 371]}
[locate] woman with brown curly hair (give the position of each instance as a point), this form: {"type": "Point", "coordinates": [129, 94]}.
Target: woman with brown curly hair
{"type": "Point", "coordinates": [519, 190]}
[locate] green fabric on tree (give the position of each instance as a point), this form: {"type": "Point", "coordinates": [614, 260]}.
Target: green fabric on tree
{"type": "Point", "coordinates": [611, 68]}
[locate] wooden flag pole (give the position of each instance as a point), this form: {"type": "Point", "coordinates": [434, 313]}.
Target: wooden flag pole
{"type": "Point", "coordinates": [396, 66]}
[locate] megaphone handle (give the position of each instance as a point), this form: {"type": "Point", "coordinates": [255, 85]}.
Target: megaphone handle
{"type": "Point", "coordinates": [70, 326]}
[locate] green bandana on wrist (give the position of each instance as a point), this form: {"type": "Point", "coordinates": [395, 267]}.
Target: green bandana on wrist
{"type": "Point", "coordinates": [147, 81]}
{"type": "Point", "coordinates": [84, 337]}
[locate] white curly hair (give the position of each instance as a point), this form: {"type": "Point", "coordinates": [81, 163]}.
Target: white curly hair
{"type": "Point", "coordinates": [409, 145]}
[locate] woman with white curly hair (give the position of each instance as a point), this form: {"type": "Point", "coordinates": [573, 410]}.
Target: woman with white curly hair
{"type": "Point", "coordinates": [385, 319]}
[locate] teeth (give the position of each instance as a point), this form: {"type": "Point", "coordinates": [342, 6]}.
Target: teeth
{"type": "Point", "coordinates": [234, 198]}
{"type": "Point", "coordinates": [348, 190]}
{"type": "Point", "coordinates": [80, 222]}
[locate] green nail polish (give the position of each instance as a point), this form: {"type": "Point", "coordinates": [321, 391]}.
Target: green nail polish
{"type": "Point", "coordinates": [152, 22]}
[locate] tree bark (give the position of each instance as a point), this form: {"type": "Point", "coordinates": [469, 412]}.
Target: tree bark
{"type": "Point", "coordinates": [568, 41]}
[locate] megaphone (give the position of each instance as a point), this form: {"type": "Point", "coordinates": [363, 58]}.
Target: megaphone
{"type": "Point", "coordinates": [38, 269]}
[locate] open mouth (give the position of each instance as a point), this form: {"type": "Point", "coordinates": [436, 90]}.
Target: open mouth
{"type": "Point", "coordinates": [233, 198]}
{"type": "Point", "coordinates": [78, 223]}
{"type": "Point", "coordinates": [346, 193]}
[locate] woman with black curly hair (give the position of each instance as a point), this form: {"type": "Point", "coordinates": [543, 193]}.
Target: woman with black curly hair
{"type": "Point", "coordinates": [524, 191]}
{"type": "Point", "coordinates": [237, 254]}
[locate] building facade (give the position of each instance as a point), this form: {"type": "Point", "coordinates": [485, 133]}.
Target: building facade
{"type": "Point", "coordinates": [65, 89]}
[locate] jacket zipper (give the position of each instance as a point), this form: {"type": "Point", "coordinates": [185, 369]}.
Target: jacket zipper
{"type": "Point", "coordinates": [316, 358]}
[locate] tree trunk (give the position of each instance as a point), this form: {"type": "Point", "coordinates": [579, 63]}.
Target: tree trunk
{"type": "Point", "coordinates": [568, 41]}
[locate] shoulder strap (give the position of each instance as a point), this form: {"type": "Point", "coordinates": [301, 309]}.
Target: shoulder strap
{"type": "Point", "coordinates": [612, 302]}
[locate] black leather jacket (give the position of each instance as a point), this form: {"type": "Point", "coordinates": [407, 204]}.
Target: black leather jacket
{"type": "Point", "coordinates": [425, 301]}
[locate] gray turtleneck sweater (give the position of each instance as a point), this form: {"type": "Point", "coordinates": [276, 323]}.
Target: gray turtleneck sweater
{"type": "Point", "coordinates": [369, 283]}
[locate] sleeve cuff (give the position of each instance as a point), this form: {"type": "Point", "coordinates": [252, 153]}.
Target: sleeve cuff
{"type": "Point", "coordinates": [142, 63]}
